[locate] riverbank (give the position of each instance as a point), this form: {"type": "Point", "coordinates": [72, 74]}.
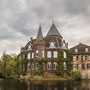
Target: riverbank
{"type": "Point", "coordinates": [46, 79]}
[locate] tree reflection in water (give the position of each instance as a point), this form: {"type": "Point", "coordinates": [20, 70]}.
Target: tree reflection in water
{"type": "Point", "coordinates": [44, 85]}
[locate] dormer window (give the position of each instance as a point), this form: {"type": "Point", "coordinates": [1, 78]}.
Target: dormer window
{"type": "Point", "coordinates": [76, 50]}
{"type": "Point", "coordinates": [52, 45]}
{"type": "Point", "coordinates": [86, 49]}
{"type": "Point", "coordinates": [29, 46]}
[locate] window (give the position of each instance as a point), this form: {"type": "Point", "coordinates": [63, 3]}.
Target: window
{"type": "Point", "coordinates": [28, 66]}
{"type": "Point", "coordinates": [42, 53]}
{"type": "Point", "coordinates": [55, 65]}
{"type": "Point", "coordinates": [83, 66]}
{"type": "Point", "coordinates": [36, 53]}
{"type": "Point", "coordinates": [88, 66]}
{"type": "Point", "coordinates": [49, 54]}
{"type": "Point", "coordinates": [30, 46]}
{"type": "Point", "coordinates": [76, 50]}
{"type": "Point", "coordinates": [75, 66]}
{"type": "Point", "coordinates": [23, 56]}
{"type": "Point", "coordinates": [64, 45]}
{"type": "Point", "coordinates": [52, 45]}
{"type": "Point", "coordinates": [32, 66]}
{"type": "Point", "coordinates": [29, 56]}
{"type": "Point", "coordinates": [83, 58]}
{"type": "Point", "coordinates": [49, 66]}
{"type": "Point", "coordinates": [88, 57]}
{"type": "Point", "coordinates": [86, 49]}
{"type": "Point", "coordinates": [65, 66]}
{"type": "Point", "coordinates": [65, 56]}
{"type": "Point", "coordinates": [43, 66]}
{"type": "Point", "coordinates": [75, 58]}
{"type": "Point", "coordinates": [19, 57]}
{"type": "Point", "coordinates": [32, 55]}
{"type": "Point", "coordinates": [37, 66]}
{"type": "Point", "coordinates": [23, 67]}
{"type": "Point", "coordinates": [55, 54]}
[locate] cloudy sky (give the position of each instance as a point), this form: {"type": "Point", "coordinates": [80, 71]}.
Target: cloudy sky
{"type": "Point", "coordinates": [20, 19]}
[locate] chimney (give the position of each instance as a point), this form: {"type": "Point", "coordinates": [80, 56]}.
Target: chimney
{"type": "Point", "coordinates": [31, 39]}
{"type": "Point", "coordinates": [67, 45]}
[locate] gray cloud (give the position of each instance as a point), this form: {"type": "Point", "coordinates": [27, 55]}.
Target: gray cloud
{"type": "Point", "coordinates": [20, 19]}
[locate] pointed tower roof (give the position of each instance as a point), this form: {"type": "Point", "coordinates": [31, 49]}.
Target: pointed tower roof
{"type": "Point", "coordinates": [53, 31]}
{"type": "Point", "coordinates": [39, 35]}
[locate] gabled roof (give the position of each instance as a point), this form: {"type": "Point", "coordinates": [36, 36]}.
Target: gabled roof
{"type": "Point", "coordinates": [81, 49]}
{"type": "Point", "coordinates": [39, 35]}
{"type": "Point", "coordinates": [53, 31]}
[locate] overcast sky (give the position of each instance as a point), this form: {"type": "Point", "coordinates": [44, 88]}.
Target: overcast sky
{"type": "Point", "coordinates": [20, 19]}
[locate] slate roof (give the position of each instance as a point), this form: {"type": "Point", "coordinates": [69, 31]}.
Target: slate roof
{"type": "Point", "coordinates": [39, 35]}
{"type": "Point", "coordinates": [55, 39]}
{"type": "Point", "coordinates": [53, 31]}
{"type": "Point", "coordinates": [81, 49]}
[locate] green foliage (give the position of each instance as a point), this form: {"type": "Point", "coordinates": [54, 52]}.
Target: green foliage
{"type": "Point", "coordinates": [40, 71]}
{"type": "Point", "coordinates": [60, 60]}
{"type": "Point", "coordinates": [23, 65]}
{"type": "Point", "coordinates": [8, 66]}
{"type": "Point", "coordinates": [77, 75]}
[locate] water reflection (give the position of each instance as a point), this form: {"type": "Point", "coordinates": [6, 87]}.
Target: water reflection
{"type": "Point", "coordinates": [44, 85]}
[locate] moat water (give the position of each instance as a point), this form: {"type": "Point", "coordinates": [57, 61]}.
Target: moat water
{"type": "Point", "coordinates": [44, 85]}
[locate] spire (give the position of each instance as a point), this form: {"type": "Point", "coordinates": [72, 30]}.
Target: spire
{"type": "Point", "coordinates": [39, 35]}
{"type": "Point", "coordinates": [53, 31]}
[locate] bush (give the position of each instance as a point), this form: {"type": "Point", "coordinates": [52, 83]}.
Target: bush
{"type": "Point", "coordinates": [77, 75]}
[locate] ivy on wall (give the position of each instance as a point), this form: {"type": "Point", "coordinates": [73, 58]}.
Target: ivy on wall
{"type": "Point", "coordinates": [60, 60]}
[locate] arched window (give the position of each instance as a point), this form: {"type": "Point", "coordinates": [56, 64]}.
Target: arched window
{"type": "Point", "coordinates": [28, 66]}
{"type": "Point", "coordinates": [49, 54]}
{"type": "Point", "coordinates": [55, 54]}
{"type": "Point", "coordinates": [65, 55]}
{"type": "Point", "coordinates": [37, 53]}
{"type": "Point", "coordinates": [52, 45]}
{"type": "Point", "coordinates": [49, 65]}
{"type": "Point", "coordinates": [55, 65]}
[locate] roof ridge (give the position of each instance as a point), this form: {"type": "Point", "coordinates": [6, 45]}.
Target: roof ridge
{"type": "Point", "coordinates": [39, 35]}
{"type": "Point", "coordinates": [53, 31]}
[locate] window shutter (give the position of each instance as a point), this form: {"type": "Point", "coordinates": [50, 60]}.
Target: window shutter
{"type": "Point", "coordinates": [87, 66]}
{"type": "Point", "coordinates": [77, 58]}
{"type": "Point", "coordinates": [85, 57]}
{"type": "Point", "coordinates": [82, 58]}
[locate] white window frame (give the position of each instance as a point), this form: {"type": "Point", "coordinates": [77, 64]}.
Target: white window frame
{"type": "Point", "coordinates": [65, 65]}
{"type": "Point", "coordinates": [19, 57]}
{"type": "Point", "coordinates": [49, 66]}
{"type": "Point", "coordinates": [23, 56]}
{"type": "Point", "coordinates": [55, 54]}
{"type": "Point", "coordinates": [74, 58]}
{"type": "Point", "coordinates": [89, 57]}
{"type": "Point", "coordinates": [86, 49]}
{"type": "Point", "coordinates": [55, 65]}
{"type": "Point", "coordinates": [37, 65]}
{"type": "Point", "coordinates": [52, 45]}
{"type": "Point", "coordinates": [76, 50]}
{"type": "Point", "coordinates": [32, 66]}
{"type": "Point", "coordinates": [29, 55]}
{"type": "Point", "coordinates": [49, 54]}
{"type": "Point", "coordinates": [28, 66]}
{"type": "Point", "coordinates": [75, 67]}
{"type": "Point", "coordinates": [43, 53]}
{"type": "Point", "coordinates": [37, 53]}
{"type": "Point", "coordinates": [32, 55]}
{"type": "Point", "coordinates": [65, 54]}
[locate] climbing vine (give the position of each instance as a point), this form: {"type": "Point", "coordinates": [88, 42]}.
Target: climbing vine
{"type": "Point", "coordinates": [40, 71]}
{"type": "Point", "coordinates": [60, 60]}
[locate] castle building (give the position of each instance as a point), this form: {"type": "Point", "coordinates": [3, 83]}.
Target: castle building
{"type": "Point", "coordinates": [43, 47]}
{"type": "Point", "coordinates": [81, 59]}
